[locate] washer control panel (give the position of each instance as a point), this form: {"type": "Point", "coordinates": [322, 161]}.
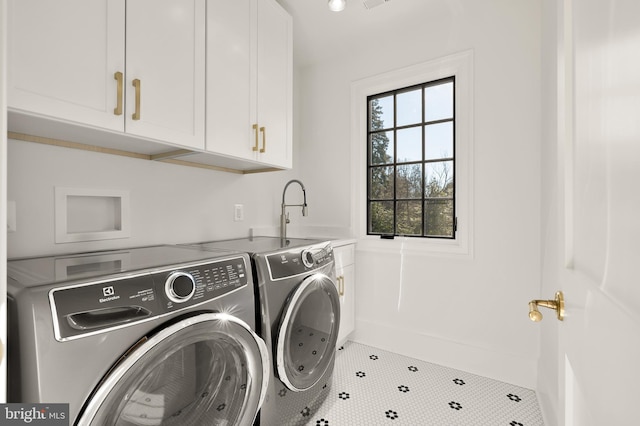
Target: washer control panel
{"type": "Point", "coordinates": [192, 285]}
{"type": "Point", "coordinates": [97, 306]}
{"type": "Point", "coordinates": [298, 261]}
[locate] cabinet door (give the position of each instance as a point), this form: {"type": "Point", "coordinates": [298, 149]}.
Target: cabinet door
{"type": "Point", "coordinates": [62, 57]}
{"type": "Point", "coordinates": [347, 303]}
{"type": "Point", "coordinates": [231, 77]}
{"type": "Point", "coordinates": [274, 97]}
{"type": "Point", "coordinates": [166, 54]}
{"type": "Point", "coordinates": [345, 279]}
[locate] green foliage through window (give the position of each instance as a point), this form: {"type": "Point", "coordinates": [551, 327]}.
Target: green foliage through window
{"type": "Point", "coordinates": [411, 161]}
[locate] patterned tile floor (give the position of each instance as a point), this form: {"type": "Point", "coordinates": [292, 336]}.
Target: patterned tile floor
{"type": "Point", "coordinates": [374, 387]}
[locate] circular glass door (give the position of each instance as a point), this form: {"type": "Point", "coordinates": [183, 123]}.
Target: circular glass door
{"type": "Point", "coordinates": [308, 333]}
{"type": "Point", "coordinates": [209, 369]}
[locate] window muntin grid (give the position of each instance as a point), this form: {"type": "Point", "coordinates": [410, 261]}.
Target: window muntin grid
{"type": "Point", "coordinates": [411, 161]}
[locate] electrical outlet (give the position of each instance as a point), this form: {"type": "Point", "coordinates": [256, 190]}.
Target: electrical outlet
{"type": "Point", "coordinates": [11, 216]}
{"type": "Point", "coordinates": [238, 213]}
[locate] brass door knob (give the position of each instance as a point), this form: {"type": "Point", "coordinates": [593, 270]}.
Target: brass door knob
{"type": "Point", "coordinates": [557, 305]}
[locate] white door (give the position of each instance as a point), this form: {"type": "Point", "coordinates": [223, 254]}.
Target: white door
{"type": "Point", "coordinates": [166, 56]}
{"type": "Point", "coordinates": [600, 338]}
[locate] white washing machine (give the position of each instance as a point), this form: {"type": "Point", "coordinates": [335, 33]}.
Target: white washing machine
{"type": "Point", "coordinates": [299, 317]}
{"type": "Point", "coordinates": [159, 335]}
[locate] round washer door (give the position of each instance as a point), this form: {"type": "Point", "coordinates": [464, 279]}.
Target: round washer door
{"type": "Point", "coordinates": [308, 333]}
{"type": "Point", "coordinates": [207, 369]}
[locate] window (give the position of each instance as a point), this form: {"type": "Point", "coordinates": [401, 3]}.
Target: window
{"type": "Point", "coordinates": [399, 116]}
{"type": "Point", "coordinates": [411, 164]}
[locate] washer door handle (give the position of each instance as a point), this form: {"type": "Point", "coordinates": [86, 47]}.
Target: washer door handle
{"type": "Point", "coordinates": [107, 317]}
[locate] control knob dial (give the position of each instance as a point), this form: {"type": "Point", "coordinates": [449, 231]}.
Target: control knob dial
{"type": "Point", "coordinates": [307, 258]}
{"type": "Point", "coordinates": [180, 286]}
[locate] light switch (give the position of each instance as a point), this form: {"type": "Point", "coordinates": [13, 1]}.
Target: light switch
{"type": "Point", "coordinates": [238, 212]}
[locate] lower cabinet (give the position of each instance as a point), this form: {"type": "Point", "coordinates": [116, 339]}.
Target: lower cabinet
{"type": "Point", "coordinates": [345, 280]}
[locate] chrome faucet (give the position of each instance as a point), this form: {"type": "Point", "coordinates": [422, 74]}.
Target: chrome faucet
{"type": "Point", "coordinates": [284, 216]}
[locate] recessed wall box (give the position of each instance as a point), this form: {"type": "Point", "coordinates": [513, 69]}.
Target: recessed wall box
{"type": "Point", "coordinates": [85, 214]}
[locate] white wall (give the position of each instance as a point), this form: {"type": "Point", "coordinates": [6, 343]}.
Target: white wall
{"type": "Point", "coordinates": [469, 313]}
{"type": "Point", "coordinates": [169, 203]}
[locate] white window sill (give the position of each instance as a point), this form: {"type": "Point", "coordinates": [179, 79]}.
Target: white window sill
{"type": "Point", "coordinates": [415, 245]}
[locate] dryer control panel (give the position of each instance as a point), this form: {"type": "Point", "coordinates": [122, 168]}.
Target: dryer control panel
{"type": "Point", "coordinates": [97, 306]}
{"type": "Point", "coordinates": [298, 261]}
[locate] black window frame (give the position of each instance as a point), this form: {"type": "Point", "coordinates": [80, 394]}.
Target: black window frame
{"type": "Point", "coordinates": [422, 162]}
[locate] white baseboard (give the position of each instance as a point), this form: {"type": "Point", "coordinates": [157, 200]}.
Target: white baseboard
{"type": "Point", "coordinates": [547, 398]}
{"type": "Point", "coordinates": [498, 366]}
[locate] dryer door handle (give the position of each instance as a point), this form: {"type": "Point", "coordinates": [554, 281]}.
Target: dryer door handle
{"type": "Point", "coordinates": [107, 317]}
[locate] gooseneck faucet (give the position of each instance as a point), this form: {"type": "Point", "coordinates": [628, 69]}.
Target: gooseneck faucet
{"type": "Point", "coordinates": [284, 216]}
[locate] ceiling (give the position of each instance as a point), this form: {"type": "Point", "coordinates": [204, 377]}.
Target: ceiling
{"type": "Point", "coordinates": [320, 34]}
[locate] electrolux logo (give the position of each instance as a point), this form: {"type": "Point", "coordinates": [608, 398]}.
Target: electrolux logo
{"type": "Point", "coordinates": [109, 294]}
{"type": "Point", "coordinates": [36, 414]}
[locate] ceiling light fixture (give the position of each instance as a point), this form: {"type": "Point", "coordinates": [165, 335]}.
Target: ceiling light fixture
{"type": "Point", "coordinates": [337, 5]}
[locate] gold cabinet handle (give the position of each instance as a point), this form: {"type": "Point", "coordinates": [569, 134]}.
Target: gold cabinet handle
{"type": "Point", "coordinates": [255, 127]}
{"type": "Point", "coordinates": [118, 109]}
{"type": "Point", "coordinates": [341, 285]}
{"type": "Point", "coordinates": [557, 304]}
{"type": "Point", "coordinates": [136, 114]}
{"type": "Point", "coordinates": [264, 139]}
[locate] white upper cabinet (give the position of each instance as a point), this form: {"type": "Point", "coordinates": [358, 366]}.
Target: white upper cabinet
{"type": "Point", "coordinates": [231, 82]}
{"type": "Point", "coordinates": [165, 53]}
{"type": "Point", "coordinates": [62, 57]}
{"type": "Point", "coordinates": [249, 81]}
{"type": "Point", "coordinates": [69, 60]}
{"type": "Point", "coordinates": [275, 83]}
{"type": "Point", "coordinates": [147, 76]}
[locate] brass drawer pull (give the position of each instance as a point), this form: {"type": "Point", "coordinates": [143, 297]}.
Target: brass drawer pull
{"type": "Point", "coordinates": [118, 109]}
{"type": "Point", "coordinates": [341, 285]}
{"type": "Point", "coordinates": [136, 114]}
{"type": "Point", "coordinates": [255, 127]}
{"type": "Point", "coordinates": [264, 139]}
